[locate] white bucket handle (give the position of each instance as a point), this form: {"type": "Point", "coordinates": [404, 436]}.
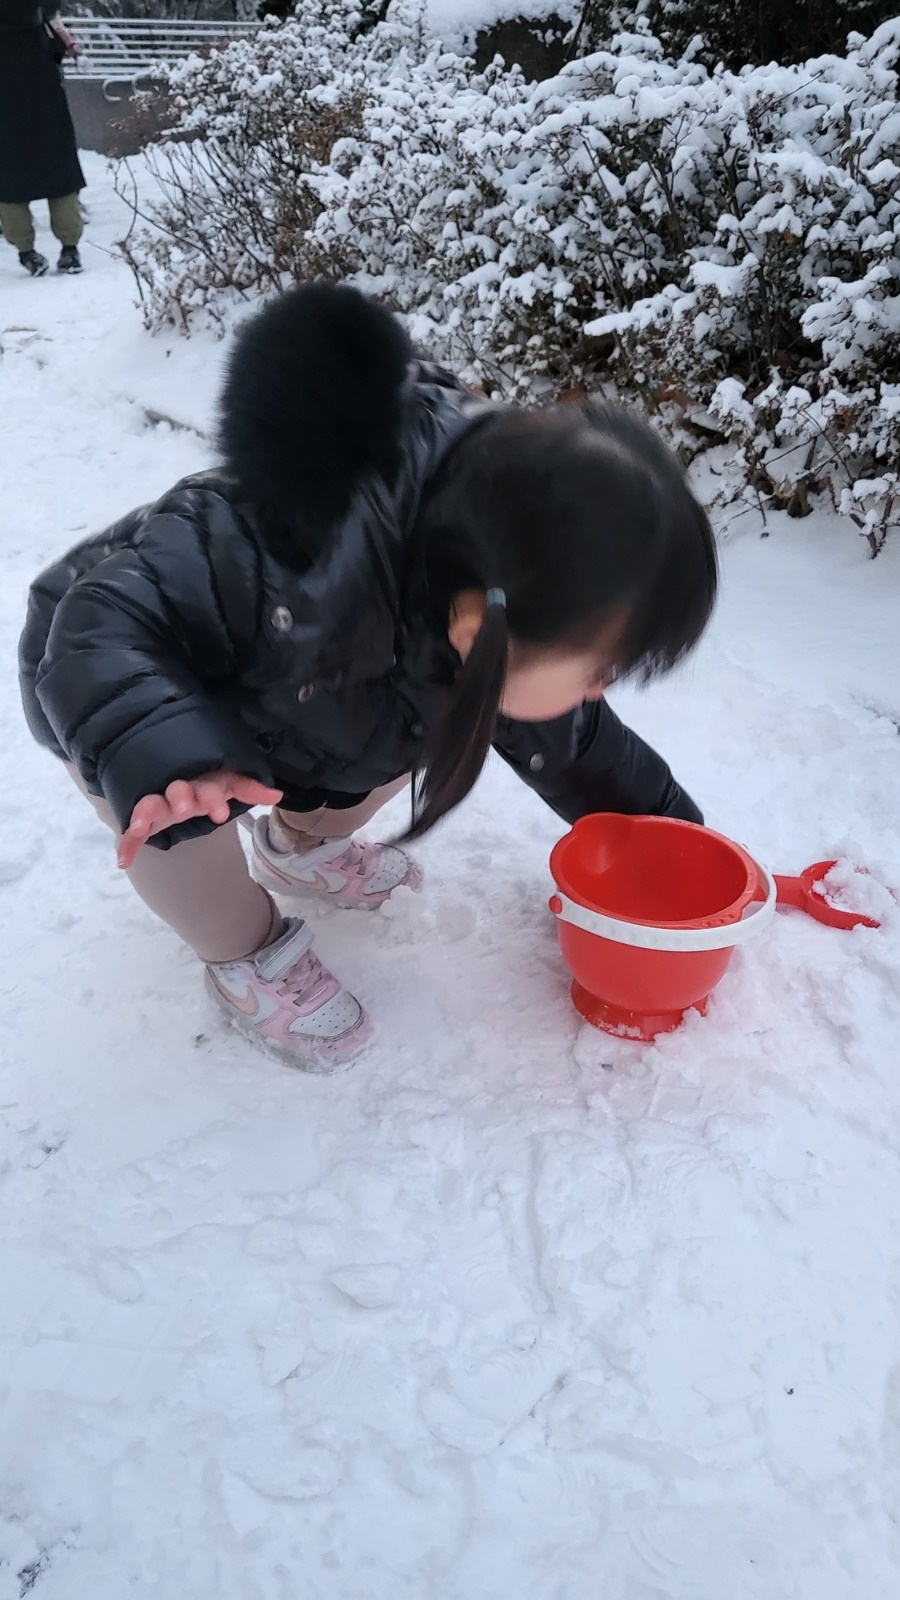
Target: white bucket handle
{"type": "Point", "coordinates": [756, 917]}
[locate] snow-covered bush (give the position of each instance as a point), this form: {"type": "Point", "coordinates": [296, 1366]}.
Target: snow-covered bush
{"type": "Point", "coordinates": [725, 247]}
{"type": "Point", "coordinates": [734, 31]}
{"type": "Point", "coordinates": [782, 187]}
{"type": "Point", "coordinates": [227, 192]}
{"type": "Point", "coordinates": [739, 33]}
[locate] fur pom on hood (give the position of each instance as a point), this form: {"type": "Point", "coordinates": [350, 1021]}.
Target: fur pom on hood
{"type": "Point", "coordinates": [312, 404]}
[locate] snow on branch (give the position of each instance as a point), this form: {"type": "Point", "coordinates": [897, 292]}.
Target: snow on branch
{"type": "Point", "coordinates": [723, 247]}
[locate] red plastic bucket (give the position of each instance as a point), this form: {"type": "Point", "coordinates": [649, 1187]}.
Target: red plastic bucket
{"type": "Point", "coordinates": [649, 911]}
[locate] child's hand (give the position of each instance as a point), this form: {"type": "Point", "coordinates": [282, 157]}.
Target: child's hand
{"type": "Point", "coordinates": [206, 796]}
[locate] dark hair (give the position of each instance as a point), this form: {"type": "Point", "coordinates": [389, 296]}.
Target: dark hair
{"type": "Point", "coordinates": [583, 517]}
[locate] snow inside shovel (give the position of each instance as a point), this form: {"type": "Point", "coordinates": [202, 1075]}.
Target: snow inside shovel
{"type": "Point", "coordinates": [801, 894]}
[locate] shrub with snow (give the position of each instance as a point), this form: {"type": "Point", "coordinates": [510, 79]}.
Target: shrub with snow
{"type": "Point", "coordinates": [723, 246]}
{"type": "Point", "coordinates": [228, 193]}
{"type": "Point", "coordinates": [736, 32]}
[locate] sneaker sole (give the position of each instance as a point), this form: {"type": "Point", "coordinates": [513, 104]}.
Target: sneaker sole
{"type": "Point", "coordinates": [318, 1059]}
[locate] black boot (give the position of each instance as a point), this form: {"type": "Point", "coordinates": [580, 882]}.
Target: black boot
{"type": "Point", "coordinates": [69, 259]}
{"type": "Point", "coordinates": [34, 263]}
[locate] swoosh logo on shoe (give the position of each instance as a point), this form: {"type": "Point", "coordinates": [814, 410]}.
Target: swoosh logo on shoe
{"type": "Point", "coordinates": [331, 882]}
{"type": "Point", "coordinates": [248, 1005]}
{"type": "Point", "coordinates": [322, 880]}
{"type": "Point", "coordinates": [269, 866]}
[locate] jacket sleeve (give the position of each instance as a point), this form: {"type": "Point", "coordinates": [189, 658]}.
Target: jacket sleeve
{"type": "Point", "coordinates": [589, 761]}
{"type": "Point", "coordinates": [138, 656]}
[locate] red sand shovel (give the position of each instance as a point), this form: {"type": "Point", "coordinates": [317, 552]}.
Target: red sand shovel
{"type": "Point", "coordinates": [650, 910]}
{"type": "Point", "coordinates": [800, 894]}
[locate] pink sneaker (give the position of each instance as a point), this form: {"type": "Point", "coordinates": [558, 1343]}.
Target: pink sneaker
{"type": "Point", "coordinates": [344, 872]}
{"type": "Point", "coordinates": [285, 1000]}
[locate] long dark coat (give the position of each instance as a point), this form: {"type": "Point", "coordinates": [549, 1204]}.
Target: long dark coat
{"type": "Point", "coordinates": [38, 154]}
{"type": "Point", "coordinates": [184, 640]}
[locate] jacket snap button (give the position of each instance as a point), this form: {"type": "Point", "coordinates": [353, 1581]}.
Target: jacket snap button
{"type": "Point", "coordinates": [536, 763]}
{"type": "Point", "coordinates": [305, 692]}
{"type": "Point", "coordinates": [282, 620]}
{"type": "Point", "coordinates": [417, 730]}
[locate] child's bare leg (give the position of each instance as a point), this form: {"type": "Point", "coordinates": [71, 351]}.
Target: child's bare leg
{"type": "Point", "coordinates": [300, 831]}
{"type": "Point", "coordinates": [202, 889]}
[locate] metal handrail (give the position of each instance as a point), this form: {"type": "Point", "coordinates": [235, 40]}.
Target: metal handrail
{"type": "Point", "coordinates": [126, 48]}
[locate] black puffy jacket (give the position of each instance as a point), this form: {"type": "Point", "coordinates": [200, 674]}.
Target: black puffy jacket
{"type": "Point", "coordinates": [182, 640]}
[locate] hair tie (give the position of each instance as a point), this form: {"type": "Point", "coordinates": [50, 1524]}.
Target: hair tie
{"type": "Point", "coordinates": [495, 597]}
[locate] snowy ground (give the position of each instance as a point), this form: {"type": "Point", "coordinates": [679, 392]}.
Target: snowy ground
{"type": "Point", "coordinates": [511, 1309]}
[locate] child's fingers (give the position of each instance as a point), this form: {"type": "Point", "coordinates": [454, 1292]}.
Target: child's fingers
{"type": "Point", "coordinates": [252, 793]}
{"type": "Point", "coordinates": [204, 797]}
{"type": "Point", "coordinates": [148, 817]}
{"type": "Point", "coordinates": [127, 849]}
{"type": "Point", "coordinates": [181, 798]}
{"type": "Point", "coordinates": [212, 799]}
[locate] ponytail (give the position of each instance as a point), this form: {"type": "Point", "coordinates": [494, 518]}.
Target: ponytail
{"type": "Point", "coordinates": [454, 759]}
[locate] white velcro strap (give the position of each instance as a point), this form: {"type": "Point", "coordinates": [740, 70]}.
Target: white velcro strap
{"type": "Point", "coordinates": [328, 850]}
{"type": "Point", "coordinates": [284, 953]}
{"type": "Point", "coordinates": [756, 917]}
